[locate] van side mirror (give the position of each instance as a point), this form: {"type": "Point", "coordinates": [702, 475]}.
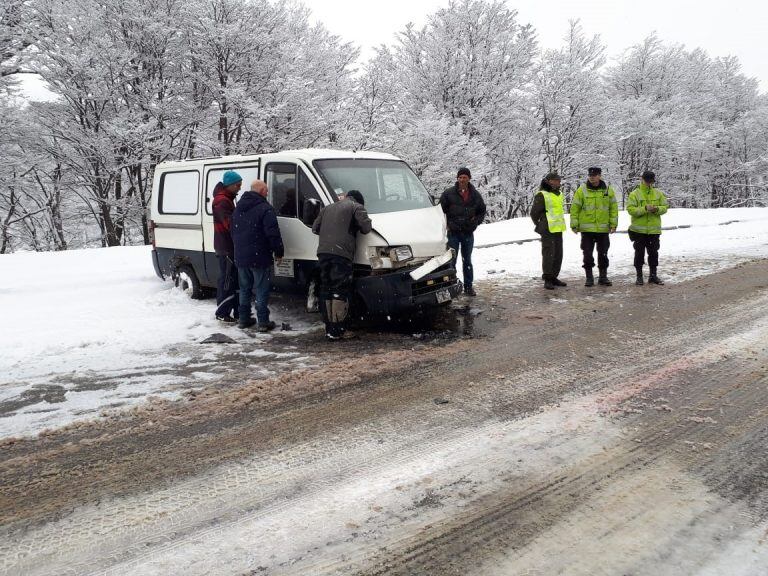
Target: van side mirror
{"type": "Point", "coordinates": [312, 208]}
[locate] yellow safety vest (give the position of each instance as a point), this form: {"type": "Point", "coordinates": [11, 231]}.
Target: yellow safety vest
{"type": "Point", "coordinates": [555, 213]}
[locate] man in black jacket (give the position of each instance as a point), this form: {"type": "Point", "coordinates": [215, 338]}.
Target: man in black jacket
{"type": "Point", "coordinates": [257, 238]}
{"type": "Point", "coordinates": [338, 225]}
{"type": "Point", "coordinates": [464, 210]}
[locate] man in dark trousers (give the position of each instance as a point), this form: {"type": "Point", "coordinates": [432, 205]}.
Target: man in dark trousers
{"type": "Point", "coordinates": [646, 205]}
{"type": "Point", "coordinates": [595, 214]}
{"type": "Point", "coordinates": [338, 225]}
{"type": "Point", "coordinates": [257, 238]}
{"type": "Point", "coordinates": [548, 216]}
{"type": "Point", "coordinates": [464, 210]}
{"type": "Point", "coordinates": [223, 206]}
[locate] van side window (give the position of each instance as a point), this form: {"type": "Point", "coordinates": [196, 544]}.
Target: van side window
{"type": "Point", "coordinates": [247, 173]}
{"type": "Point", "coordinates": [179, 192]}
{"type": "Point", "coordinates": [309, 200]}
{"type": "Point", "coordinates": [281, 182]}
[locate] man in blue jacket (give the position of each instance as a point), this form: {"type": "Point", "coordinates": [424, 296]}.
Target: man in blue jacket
{"type": "Point", "coordinates": [256, 236]}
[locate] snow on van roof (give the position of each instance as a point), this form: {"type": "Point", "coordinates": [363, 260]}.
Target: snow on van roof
{"type": "Point", "coordinates": [308, 154]}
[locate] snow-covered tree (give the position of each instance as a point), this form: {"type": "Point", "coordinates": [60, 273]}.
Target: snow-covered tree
{"type": "Point", "coordinates": [473, 62]}
{"type": "Point", "coordinates": [570, 106]}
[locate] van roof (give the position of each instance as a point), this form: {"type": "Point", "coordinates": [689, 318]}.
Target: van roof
{"type": "Point", "coordinates": [307, 154]}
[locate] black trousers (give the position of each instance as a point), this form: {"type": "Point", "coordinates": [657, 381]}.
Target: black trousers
{"type": "Point", "coordinates": [226, 287]}
{"type": "Point", "coordinates": [551, 254]}
{"type": "Point", "coordinates": [588, 242]}
{"type": "Point", "coordinates": [645, 243]}
{"type": "Point", "coordinates": [336, 284]}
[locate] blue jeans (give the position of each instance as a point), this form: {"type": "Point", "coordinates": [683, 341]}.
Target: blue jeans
{"type": "Point", "coordinates": [255, 283]}
{"type": "Point", "coordinates": [466, 241]}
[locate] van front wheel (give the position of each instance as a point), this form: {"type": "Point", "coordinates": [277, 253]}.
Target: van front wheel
{"type": "Point", "coordinates": [186, 280]}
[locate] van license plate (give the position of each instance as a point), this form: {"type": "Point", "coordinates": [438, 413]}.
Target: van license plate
{"type": "Point", "coordinates": [443, 296]}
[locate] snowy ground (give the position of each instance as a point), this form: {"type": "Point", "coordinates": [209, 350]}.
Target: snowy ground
{"type": "Point", "coordinates": [65, 316]}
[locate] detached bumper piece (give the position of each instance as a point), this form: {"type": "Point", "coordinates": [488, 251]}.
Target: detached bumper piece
{"type": "Point", "coordinates": [397, 293]}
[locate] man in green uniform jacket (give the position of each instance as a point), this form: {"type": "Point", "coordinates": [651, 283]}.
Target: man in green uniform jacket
{"type": "Point", "coordinates": [646, 205]}
{"type": "Point", "coordinates": [595, 214]}
{"type": "Point", "coordinates": [548, 216]}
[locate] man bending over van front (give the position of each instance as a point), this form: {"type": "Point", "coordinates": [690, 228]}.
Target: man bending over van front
{"type": "Point", "coordinates": [257, 238]}
{"type": "Point", "coordinates": [337, 225]}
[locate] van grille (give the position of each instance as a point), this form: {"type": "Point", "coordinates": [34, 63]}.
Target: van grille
{"type": "Point", "coordinates": [433, 284]}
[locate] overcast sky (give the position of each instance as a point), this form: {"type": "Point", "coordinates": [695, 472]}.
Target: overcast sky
{"type": "Point", "coordinates": [732, 27]}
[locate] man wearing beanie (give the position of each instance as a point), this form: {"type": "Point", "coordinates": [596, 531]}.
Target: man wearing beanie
{"type": "Point", "coordinates": [595, 214]}
{"type": "Point", "coordinates": [646, 205]}
{"type": "Point", "coordinates": [223, 206]}
{"type": "Point", "coordinates": [464, 210]}
{"type": "Point", "coordinates": [549, 218]}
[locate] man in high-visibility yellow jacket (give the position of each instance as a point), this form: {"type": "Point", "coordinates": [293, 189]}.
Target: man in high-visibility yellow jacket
{"type": "Point", "coordinates": [646, 205]}
{"type": "Point", "coordinates": [549, 217]}
{"type": "Point", "coordinates": [595, 214]}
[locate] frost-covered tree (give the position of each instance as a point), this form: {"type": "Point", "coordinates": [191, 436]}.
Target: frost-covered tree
{"type": "Point", "coordinates": [105, 63]}
{"type": "Point", "coordinates": [376, 103]}
{"type": "Point", "coordinates": [570, 106]}
{"type": "Point", "coordinates": [473, 61]}
{"type": "Point", "coordinates": [683, 114]}
{"type": "Point", "coordinates": [14, 40]}
{"type": "Point", "coordinates": [274, 80]}
{"type": "Point", "coordinates": [435, 146]}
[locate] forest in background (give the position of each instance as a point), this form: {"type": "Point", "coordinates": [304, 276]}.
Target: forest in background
{"type": "Point", "coordinates": [138, 82]}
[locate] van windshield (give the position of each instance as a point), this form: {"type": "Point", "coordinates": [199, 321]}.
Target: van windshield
{"type": "Point", "coordinates": [387, 185]}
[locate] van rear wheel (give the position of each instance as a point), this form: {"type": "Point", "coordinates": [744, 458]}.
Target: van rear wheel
{"type": "Point", "coordinates": [186, 280]}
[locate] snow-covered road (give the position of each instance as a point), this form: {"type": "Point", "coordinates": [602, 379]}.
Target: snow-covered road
{"type": "Point", "coordinates": [604, 432]}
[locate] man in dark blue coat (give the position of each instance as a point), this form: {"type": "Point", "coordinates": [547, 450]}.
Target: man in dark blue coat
{"type": "Point", "coordinates": [257, 239]}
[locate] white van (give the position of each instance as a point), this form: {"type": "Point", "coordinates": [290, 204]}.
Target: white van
{"type": "Point", "coordinates": [402, 266]}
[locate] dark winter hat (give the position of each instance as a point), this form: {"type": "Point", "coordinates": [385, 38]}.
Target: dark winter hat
{"type": "Point", "coordinates": [649, 176]}
{"type": "Point", "coordinates": [594, 171]}
{"type": "Point", "coordinates": [231, 177]}
{"type": "Point", "coordinates": [356, 196]}
{"type": "Point", "coordinates": [552, 176]}
{"type": "Point", "coordinates": [464, 171]}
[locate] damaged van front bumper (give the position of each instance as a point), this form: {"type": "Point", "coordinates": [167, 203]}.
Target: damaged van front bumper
{"type": "Point", "coordinates": [398, 293]}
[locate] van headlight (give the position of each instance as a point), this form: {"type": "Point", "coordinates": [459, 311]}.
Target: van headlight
{"type": "Point", "coordinates": [400, 254]}
{"type": "Point", "coordinates": [388, 256]}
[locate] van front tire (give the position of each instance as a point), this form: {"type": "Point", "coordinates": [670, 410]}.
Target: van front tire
{"type": "Point", "coordinates": [186, 280]}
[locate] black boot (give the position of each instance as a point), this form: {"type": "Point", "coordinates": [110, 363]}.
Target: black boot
{"type": "Point", "coordinates": [590, 278]}
{"type": "Point", "coordinates": [548, 284]}
{"type": "Point", "coordinates": [639, 281]}
{"type": "Point", "coordinates": [558, 282]}
{"type": "Point", "coordinates": [603, 279]}
{"type": "Point", "coordinates": [654, 279]}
